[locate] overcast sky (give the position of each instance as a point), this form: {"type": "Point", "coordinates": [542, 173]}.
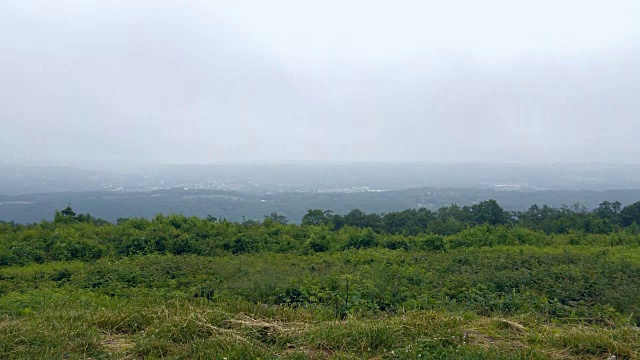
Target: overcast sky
{"type": "Point", "coordinates": [199, 82]}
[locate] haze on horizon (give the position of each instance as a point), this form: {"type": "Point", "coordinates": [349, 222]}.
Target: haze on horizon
{"type": "Point", "coordinates": [212, 81]}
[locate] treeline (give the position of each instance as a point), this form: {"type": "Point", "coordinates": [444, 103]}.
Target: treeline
{"type": "Point", "coordinates": [73, 236]}
{"type": "Point", "coordinates": [607, 218]}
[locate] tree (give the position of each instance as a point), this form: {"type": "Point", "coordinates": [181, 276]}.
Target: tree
{"type": "Point", "coordinates": [359, 218]}
{"type": "Point", "coordinates": [607, 216]}
{"type": "Point", "coordinates": [338, 222]}
{"type": "Point", "coordinates": [67, 215]}
{"type": "Point", "coordinates": [608, 210]}
{"type": "Point", "coordinates": [410, 221]}
{"type": "Point", "coordinates": [630, 214]}
{"type": "Point", "coordinates": [316, 217]}
{"type": "Point", "coordinates": [489, 212]}
{"type": "Point", "coordinates": [276, 218]}
{"type": "Point", "coordinates": [68, 211]}
{"type": "Point", "coordinates": [462, 214]}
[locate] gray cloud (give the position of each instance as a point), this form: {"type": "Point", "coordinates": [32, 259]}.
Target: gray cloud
{"type": "Point", "coordinates": [169, 82]}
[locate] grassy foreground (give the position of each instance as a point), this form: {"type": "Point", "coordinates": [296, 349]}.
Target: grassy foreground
{"type": "Point", "coordinates": [80, 325]}
{"type": "Point", "coordinates": [520, 302]}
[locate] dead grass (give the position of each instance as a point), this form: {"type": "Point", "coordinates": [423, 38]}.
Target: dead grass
{"type": "Point", "coordinates": [126, 329]}
{"type": "Point", "coordinates": [117, 344]}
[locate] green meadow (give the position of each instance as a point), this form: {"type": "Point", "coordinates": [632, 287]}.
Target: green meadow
{"type": "Point", "coordinates": [175, 287]}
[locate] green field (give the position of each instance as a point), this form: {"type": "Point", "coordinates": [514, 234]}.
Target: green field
{"type": "Point", "coordinates": [183, 287]}
{"type": "Point", "coordinates": [503, 302]}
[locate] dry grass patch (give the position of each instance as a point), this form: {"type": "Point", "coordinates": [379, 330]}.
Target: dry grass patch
{"type": "Point", "coordinates": [117, 344]}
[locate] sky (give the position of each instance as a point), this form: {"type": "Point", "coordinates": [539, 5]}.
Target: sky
{"type": "Point", "coordinates": [172, 82]}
